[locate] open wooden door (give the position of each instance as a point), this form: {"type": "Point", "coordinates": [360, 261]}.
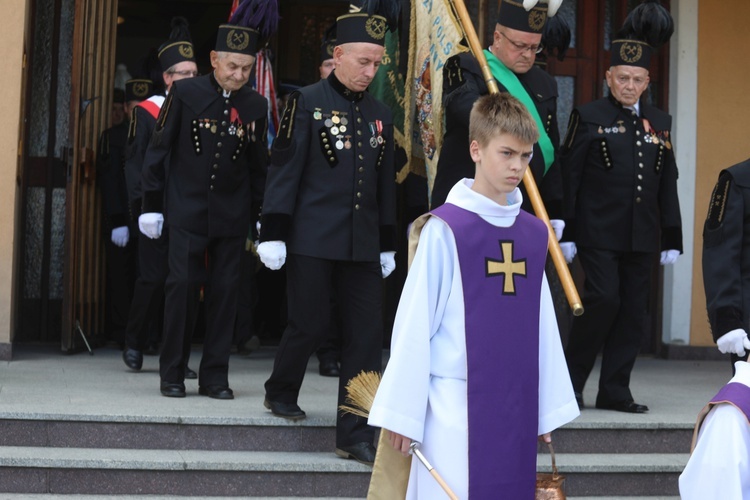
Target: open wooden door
{"type": "Point", "coordinates": [94, 37]}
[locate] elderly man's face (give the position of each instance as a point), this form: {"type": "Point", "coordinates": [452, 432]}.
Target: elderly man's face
{"type": "Point", "coordinates": [515, 49]}
{"type": "Point", "coordinates": [357, 63]}
{"type": "Point", "coordinates": [627, 83]}
{"type": "Point", "coordinates": [231, 70]}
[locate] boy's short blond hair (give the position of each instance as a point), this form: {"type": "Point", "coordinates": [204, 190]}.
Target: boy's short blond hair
{"type": "Point", "coordinates": [496, 114]}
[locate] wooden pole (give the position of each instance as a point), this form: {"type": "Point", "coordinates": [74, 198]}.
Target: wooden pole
{"type": "Point", "coordinates": [528, 179]}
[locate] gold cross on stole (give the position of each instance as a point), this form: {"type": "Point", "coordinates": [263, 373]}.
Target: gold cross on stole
{"type": "Point", "coordinates": [508, 267]}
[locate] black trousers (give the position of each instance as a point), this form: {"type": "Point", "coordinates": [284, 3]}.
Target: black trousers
{"type": "Point", "coordinates": [196, 260]}
{"type": "Point", "coordinates": [246, 299]}
{"type": "Point", "coordinates": [358, 289]}
{"type": "Point", "coordinates": [121, 271]}
{"type": "Point", "coordinates": [616, 301]}
{"type": "Point", "coordinates": [147, 306]}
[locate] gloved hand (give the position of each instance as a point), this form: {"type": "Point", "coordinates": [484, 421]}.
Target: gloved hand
{"type": "Point", "coordinates": [735, 342]}
{"type": "Point", "coordinates": [558, 226]}
{"type": "Point", "coordinates": [669, 257]}
{"type": "Point", "coordinates": [387, 263]}
{"type": "Point", "coordinates": [120, 236]}
{"type": "Point", "coordinates": [151, 224]}
{"type": "Point", "coordinates": [272, 254]}
{"type": "Point", "coordinates": [569, 250]}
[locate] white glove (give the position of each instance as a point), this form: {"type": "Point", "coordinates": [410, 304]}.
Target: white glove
{"type": "Point", "coordinates": [387, 263]}
{"type": "Point", "coordinates": [272, 254]}
{"type": "Point", "coordinates": [569, 250]}
{"type": "Point", "coordinates": [669, 257]}
{"type": "Point", "coordinates": [151, 224]}
{"type": "Point", "coordinates": [735, 342]}
{"type": "Point", "coordinates": [558, 226]}
{"type": "Point", "coordinates": [120, 236]}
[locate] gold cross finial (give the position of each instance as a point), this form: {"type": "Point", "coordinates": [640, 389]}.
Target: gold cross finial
{"type": "Point", "coordinates": [507, 267]}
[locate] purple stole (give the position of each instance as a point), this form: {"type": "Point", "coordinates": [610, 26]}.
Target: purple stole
{"type": "Point", "coordinates": [501, 270]}
{"type": "Point", "coordinates": [737, 395]}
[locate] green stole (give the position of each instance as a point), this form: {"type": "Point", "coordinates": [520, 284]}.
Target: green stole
{"type": "Point", "coordinates": [511, 82]}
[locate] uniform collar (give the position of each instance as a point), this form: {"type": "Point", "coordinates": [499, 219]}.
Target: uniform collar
{"type": "Point", "coordinates": [619, 105]}
{"type": "Point", "coordinates": [215, 85]}
{"type": "Point", "coordinates": [339, 87]}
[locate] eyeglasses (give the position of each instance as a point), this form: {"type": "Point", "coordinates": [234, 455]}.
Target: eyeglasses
{"type": "Point", "coordinates": [185, 73]}
{"type": "Point", "coordinates": [521, 47]}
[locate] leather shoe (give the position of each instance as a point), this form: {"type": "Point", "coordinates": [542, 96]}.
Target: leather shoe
{"type": "Point", "coordinates": [627, 406]}
{"type": "Point", "coordinates": [172, 390]}
{"type": "Point", "coordinates": [216, 392]}
{"type": "Point", "coordinates": [289, 411]}
{"type": "Point", "coordinates": [190, 373]}
{"type": "Point", "coordinates": [579, 400]}
{"type": "Point", "coordinates": [363, 453]}
{"type": "Point", "coordinates": [329, 368]}
{"type": "Point", "coordinates": [132, 358]}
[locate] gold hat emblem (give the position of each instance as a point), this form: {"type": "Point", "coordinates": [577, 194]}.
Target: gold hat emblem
{"type": "Point", "coordinates": [238, 40]}
{"type": "Point", "coordinates": [186, 50]}
{"type": "Point", "coordinates": [329, 49]}
{"type": "Point", "coordinates": [631, 52]}
{"type": "Point", "coordinates": [375, 27]}
{"type": "Point", "coordinates": [537, 18]}
{"type": "Point", "coordinates": [140, 89]}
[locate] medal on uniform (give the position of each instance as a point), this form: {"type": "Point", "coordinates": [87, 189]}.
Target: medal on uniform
{"type": "Point", "coordinates": [335, 130]}
{"type": "Point", "coordinates": [339, 144]}
{"type": "Point", "coordinates": [342, 128]}
{"type": "Point", "coordinates": [240, 132]}
{"type": "Point", "coordinates": [601, 130]}
{"type": "Point", "coordinates": [347, 143]}
{"type": "Point", "coordinates": [213, 128]}
{"type": "Point", "coordinates": [317, 114]}
{"type": "Point", "coordinates": [328, 123]}
{"type": "Point", "coordinates": [379, 125]}
{"type": "Point", "coordinates": [621, 128]}
{"type": "Point", "coordinates": [373, 139]}
{"type": "Point", "coordinates": [344, 121]}
{"type": "Point", "coordinates": [335, 118]}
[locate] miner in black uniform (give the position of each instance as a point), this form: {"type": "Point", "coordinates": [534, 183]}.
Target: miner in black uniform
{"type": "Point", "coordinates": [726, 261]}
{"type": "Point", "coordinates": [622, 211]}
{"type": "Point", "coordinates": [213, 132]}
{"type": "Point", "coordinates": [516, 42]}
{"type": "Point", "coordinates": [330, 203]}
{"type": "Point", "coordinates": [177, 60]}
{"type": "Point", "coordinates": [119, 248]}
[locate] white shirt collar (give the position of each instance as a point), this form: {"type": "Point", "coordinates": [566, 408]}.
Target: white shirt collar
{"type": "Point", "coordinates": [463, 196]}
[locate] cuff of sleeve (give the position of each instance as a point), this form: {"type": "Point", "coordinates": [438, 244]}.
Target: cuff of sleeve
{"type": "Point", "coordinates": [671, 238]}
{"type": "Point", "coordinates": [153, 201]}
{"type": "Point", "coordinates": [275, 227]}
{"type": "Point", "coordinates": [569, 233]}
{"type": "Point", "coordinates": [725, 320]}
{"type": "Point", "coordinates": [387, 238]}
{"type": "Point", "coordinates": [118, 220]}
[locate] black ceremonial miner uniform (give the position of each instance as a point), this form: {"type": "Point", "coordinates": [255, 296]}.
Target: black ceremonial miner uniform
{"type": "Point", "coordinates": [621, 209]}
{"type": "Point", "coordinates": [726, 252]}
{"type": "Point", "coordinates": [463, 84]}
{"type": "Point", "coordinates": [120, 260]}
{"type": "Point", "coordinates": [217, 160]}
{"type": "Point", "coordinates": [330, 196]}
{"type": "Point", "coordinates": [153, 267]}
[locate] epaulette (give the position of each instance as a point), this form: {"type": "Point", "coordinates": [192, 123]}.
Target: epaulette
{"type": "Point", "coordinates": [719, 198]}
{"type": "Point", "coordinates": [570, 135]}
{"type": "Point", "coordinates": [283, 145]}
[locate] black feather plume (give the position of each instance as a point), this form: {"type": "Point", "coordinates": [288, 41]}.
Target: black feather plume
{"type": "Point", "coordinates": [649, 22]}
{"type": "Point", "coordinates": [262, 15]}
{"type": "Point", "coordinates": [149, 68]}
{"type": "Point", "coordinates": [556, 36]}
{"type": "Point", "coordinates": [389, 9]}
{"type": "Point", "coordinates": [180, 30]}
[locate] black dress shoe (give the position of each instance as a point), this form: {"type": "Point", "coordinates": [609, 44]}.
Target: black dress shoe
{"type": "Point", "coordinates": [216, 392]}
{"type": "Point", "coordinates": [172, 390]}
{"type": "Point", "coordinates": [363, 453]}
{"type": "Point", "coordinates": [289, 411]}
{"type": "Point", "coordinates": [190, 373]}
{"type": "Point", "coordinates": [249, 346]}
{"type": "Point", "coordinates": [132, 358]}
{"type": "Point", "coordinates": [329, 368]}
{"type": "Point", "coordinates": [628, 406]}
{"type": "Point", "coordinates": [579, 400]}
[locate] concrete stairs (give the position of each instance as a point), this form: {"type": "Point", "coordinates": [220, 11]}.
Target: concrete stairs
{"type": "Point", "coordinates": [82, 427]}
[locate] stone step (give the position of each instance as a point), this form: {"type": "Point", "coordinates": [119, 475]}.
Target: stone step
{"type": "Point", "coordinates": [613, 474]}
{"type": "Point", "coordinates": [268, 433]}
{"type": "Point", "coordinates": [305, 474]}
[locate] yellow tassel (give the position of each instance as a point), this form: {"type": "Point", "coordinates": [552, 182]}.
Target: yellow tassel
{"type": "Point", "coordinates": [360, 393]}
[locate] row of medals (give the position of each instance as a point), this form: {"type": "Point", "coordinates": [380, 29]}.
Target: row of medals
{"type": "Point", "coordinates": [211, 125]}
{"type": "Point", "coordinates": [338, 127]}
